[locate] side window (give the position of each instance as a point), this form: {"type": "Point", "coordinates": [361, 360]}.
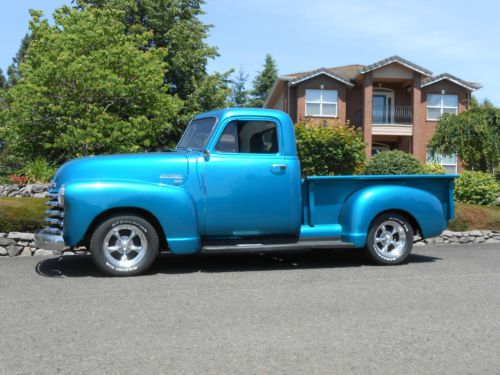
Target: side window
{"type": "Point", "coordinates": [249, 137]}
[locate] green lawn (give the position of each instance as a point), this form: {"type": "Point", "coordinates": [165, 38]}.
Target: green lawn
{"type": "Point", "coordinates": [469, 216]}
{"type": "Point", "coordinates": [27, 214]}
{"type": "Point", "coordinates": [21, 214]}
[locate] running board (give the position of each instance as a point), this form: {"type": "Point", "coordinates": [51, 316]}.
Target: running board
{"type": "Point", "coordinates": [300, 245]}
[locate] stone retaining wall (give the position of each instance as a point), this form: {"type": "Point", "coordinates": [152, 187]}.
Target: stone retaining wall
{"type": "Point", "coordinates": [21, 244]}
{"type": "Point", "coordinates": [30, 190]}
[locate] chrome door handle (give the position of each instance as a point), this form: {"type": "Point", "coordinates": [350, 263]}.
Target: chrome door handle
{"type": "Point", "coordinates": [276, 168]}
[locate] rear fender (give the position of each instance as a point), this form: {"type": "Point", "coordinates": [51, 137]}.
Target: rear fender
{"type": "Point", "coordinates": [172, 206]}
{"type": "Point", "coordinates": [363, 206]}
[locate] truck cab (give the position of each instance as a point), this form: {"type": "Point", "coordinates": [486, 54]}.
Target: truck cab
{"type": "Point", "coordinates": [234, 183]}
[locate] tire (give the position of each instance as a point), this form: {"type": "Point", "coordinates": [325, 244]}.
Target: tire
{"type": "Point", "coordinates": [124, 245]}
{"type": "Point", "coordinates": [390, 239]}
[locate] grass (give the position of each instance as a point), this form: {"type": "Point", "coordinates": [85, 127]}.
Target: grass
{"type": "Point", "coordinates": [27, 215]}
{"type": "Point", "coordinates": [21, 214]}
{"type": "Point", "coordinates": [469, 216]}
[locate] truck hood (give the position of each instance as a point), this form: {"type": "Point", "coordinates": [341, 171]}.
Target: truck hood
{"type": "Point", "coordinates": [169, 168]}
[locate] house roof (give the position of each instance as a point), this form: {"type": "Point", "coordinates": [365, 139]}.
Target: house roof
{"type": "Point", "coordinates": [344, 74]}
{"type": "Point", "coordinates": [472, 86]}
{"type": "Point", "coordinates": [348, 74]}
{"type": "Point", "coordinates": [399, 60]}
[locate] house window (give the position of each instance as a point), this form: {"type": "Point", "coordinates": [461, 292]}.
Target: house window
{"type": "Point", "coordinates": [438, 104]}
{"type": "Point", "coordinates": [321, 103]}
{"type": "Point", "coordinates": [450, 163]}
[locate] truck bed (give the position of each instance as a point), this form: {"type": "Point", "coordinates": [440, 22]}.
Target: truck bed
{"type": "Point", "coordinates": [326, 197]}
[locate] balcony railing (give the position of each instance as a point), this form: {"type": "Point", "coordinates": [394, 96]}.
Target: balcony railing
{"type": "Point", "coordinates": [392, 115]}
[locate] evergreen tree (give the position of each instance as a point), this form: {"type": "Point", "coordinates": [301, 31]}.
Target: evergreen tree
{"type": "Point", "coordinates": [13, 69]}
{"type": "Point", "coordinates": [264, 81]}
{"type": "Point", "coordinates": [239, 94]}
{"type": "Point", "coordinates": [3, 80]}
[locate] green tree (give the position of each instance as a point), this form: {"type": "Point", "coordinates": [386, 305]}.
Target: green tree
{"type": "Point", "coordinates": [264, 81]}
{"type": "Point", "coordinates": [473, 135]}
{"type": "Point", "coordinates": [13, 69]}
{"type": "Point", "coordinates": [88, 88]}
{"type": "Point", "coordinates": [175, 25]}
{"type": "Point", "coordinates": [239, 94]}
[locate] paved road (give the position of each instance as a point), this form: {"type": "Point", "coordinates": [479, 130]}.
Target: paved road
{"type": "Point", "coordinates": [282, 313]}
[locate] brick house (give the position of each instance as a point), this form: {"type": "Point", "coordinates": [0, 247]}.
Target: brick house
{"type": "Point", "coordinates": [395, 102]}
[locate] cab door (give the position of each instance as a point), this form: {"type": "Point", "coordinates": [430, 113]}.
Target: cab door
{"type": "Point", "coordinates": [247, 192]}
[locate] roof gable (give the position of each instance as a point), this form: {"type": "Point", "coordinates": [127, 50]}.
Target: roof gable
{"type": "Point", "coordinates": [446, 76]}
{"type": "Point", "coordinates": [295, 79]}
{"type": "Point", "coordinates": [395, 59]}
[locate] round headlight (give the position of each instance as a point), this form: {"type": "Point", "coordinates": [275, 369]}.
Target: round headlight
{"type": "Point", "coordinates": [60, 196]}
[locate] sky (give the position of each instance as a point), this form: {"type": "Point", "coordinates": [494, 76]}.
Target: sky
{"type": "Point", "coordinates": [458, 37]}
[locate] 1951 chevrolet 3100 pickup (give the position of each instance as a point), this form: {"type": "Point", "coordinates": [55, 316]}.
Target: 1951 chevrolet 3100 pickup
{"type": "Point", "coordinates": [234, 183]}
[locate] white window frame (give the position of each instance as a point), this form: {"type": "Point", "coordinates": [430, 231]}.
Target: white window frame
{"type": "Point", "coordinates": [321, 103]}
{"type": "Point", "coordinates": [441, 106]}
{"type": "Point", "coordinates": [438, 159]}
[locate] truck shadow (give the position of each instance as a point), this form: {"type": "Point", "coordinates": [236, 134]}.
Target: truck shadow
{"type": "Point", "coordinates": [82, 265]}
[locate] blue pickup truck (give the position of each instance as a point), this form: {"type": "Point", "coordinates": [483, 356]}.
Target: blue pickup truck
{"type": "Point", "coordinates": [234, 183]}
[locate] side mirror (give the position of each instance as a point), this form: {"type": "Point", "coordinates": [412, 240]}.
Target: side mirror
{"type": "Point", "coordinates": [206, 155]}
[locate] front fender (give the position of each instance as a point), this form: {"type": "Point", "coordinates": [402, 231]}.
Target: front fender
{"type": "Point", "coordinates": [366, 204]}
{"type": "Point", "coordinates": [172, 206]}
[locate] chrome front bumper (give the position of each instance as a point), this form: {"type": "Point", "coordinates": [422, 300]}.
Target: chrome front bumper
{"type": "Point", "coordinates": [49, 241]}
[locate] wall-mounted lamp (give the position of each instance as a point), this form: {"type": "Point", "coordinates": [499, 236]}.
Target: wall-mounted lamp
{"type": "Point", "coordinates": [443, 92]}
{"type": "Point", "coordinates": [322, 87]}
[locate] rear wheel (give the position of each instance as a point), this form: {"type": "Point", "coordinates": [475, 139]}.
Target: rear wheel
{"type": "Point", "coordinates": [390, 239]}
{"type": "Point", "coordinates": [124, 245]}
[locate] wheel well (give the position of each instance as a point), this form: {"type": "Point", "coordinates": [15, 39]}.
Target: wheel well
{"type": "Point", "coordinates": [146, 215]}
{"type": "Point", "coordinates": [408, 216]}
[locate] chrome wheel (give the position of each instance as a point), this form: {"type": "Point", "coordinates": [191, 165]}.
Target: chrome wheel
{"type": "Point", "coordinates": [390, 239]}
{"type": "Point", "coordinates": [125, 246]}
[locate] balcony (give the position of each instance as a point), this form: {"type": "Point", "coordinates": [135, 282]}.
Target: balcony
{"type": "Point", "coordinates": [392, 120]}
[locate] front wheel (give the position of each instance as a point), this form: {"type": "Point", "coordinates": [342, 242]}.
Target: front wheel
{"type": "Point", "coordinates": [390, 239]}
{"type": "Point", "coordinates": [124, 245]}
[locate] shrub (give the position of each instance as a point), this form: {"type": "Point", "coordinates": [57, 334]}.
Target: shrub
{"type": "Point", "coordinates": [497, 174]}
{"type": "Point", "coordinates": [477, 188]}
{"type": "Point", "coordinates": [18, 180]}
{"type": "Point", "coordinates": [38, 170]}
{"type": "Point", "coordinates": [328, 150]}
{"type": "Point", "coordinates": [21, 214]}
{"type": "Point", "coordinates": [393, 162]}
{"type": "Point", "coordinates": [434, 168]}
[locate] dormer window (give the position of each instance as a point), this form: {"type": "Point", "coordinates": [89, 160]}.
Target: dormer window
{"type": "Point", "coordinates": [438, 104]}
{"type": "Point", "coordinates": [321, 103]}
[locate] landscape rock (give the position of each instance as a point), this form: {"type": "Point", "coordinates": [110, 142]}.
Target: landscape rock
{"type": "Point", "coordinates": [30, 190]}
{"type": "Point", "coordinates": [26, 252]}
{"type": "Point", "coordinates": [3, 251]}
{"type": "Point", "coordinates": [7, 242]}
{"type": "Point", "coordinates": [14, 250]}
{"type": "Point", "coordinates": [21, 236]}
{"type": "Point", "coordinates": [476, 233]}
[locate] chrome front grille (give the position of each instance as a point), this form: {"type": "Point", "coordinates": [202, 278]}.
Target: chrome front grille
{"type": "Point", "coordinates": [55, 214]}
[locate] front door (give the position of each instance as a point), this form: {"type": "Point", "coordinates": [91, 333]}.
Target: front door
{"type": "Point", "coordinates": [246, 182]}
{"type": "Point", "coordinates": [383, 108]}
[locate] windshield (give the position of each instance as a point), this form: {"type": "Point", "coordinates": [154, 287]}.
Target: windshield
{"type": "Point", "coordinates": [197, 133]}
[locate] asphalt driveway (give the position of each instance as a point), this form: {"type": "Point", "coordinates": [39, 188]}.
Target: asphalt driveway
{"type": "Point", "coordinates": [300, 312]}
